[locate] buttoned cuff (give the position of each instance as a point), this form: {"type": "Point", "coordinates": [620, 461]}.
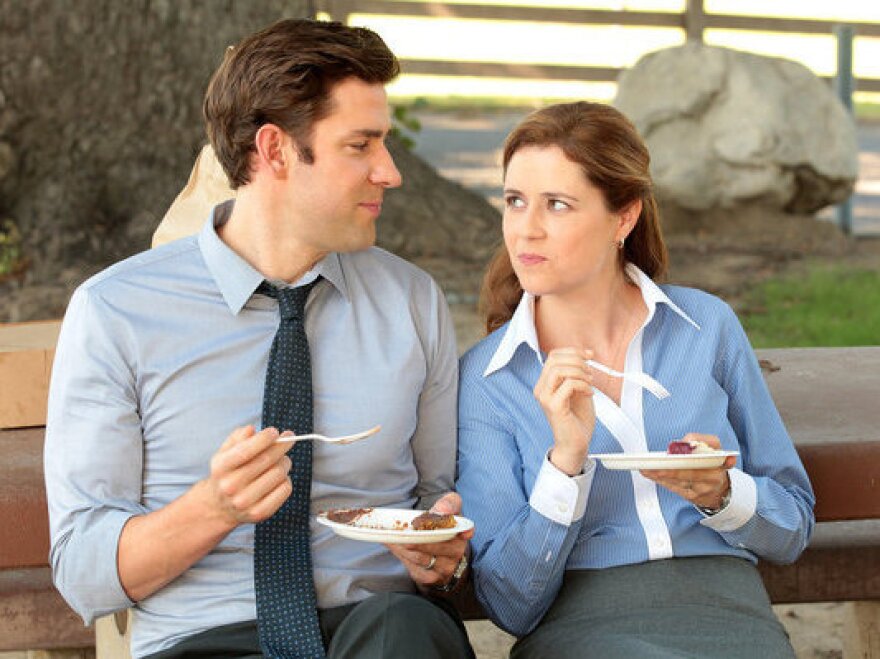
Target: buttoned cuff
{"type": "Point", "coordinates": [742, 507]}
{"type": "Point", "coordinates": [560, 497]}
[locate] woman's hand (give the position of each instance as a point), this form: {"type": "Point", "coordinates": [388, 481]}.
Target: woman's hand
{"type": "Point", "coordinates": [702, 487]}
{"type": "Point", "coordinates": [565, 393]}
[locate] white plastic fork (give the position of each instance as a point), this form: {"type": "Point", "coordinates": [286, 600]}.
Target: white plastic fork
{"type": "Point", "coordinates": [642, 379]}
{"type": "Point", "coordinates": [344, 439]}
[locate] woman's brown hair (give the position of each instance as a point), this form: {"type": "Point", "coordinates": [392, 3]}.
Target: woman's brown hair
{"type": "Point", "coordinates": [613, 158]}
{"type": "Point", "coordinates": [284, 75]}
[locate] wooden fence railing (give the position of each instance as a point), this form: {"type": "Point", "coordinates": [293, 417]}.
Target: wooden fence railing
{"type": "Point", "coordinates": [694, 20]}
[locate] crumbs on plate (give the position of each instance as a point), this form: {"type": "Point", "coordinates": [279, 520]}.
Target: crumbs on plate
{"type": "Point", "coordinates": [427, 521]}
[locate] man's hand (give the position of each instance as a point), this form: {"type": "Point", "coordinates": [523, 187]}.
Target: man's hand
{"type": "Point", "coordinates": [249, 481]}
{"type": "Point", "coordinates": [249, 476]}
{"type": "Point", "coordinates": [442, 557]}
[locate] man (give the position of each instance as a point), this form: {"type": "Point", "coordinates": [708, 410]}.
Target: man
{"type": "Point", "coordinates": [157, 477]}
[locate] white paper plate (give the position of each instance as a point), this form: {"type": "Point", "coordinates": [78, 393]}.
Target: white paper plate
{"type": "Point", "coordinates": [391, 526]}
{"type": "Point", "coordinates": [662, 460]}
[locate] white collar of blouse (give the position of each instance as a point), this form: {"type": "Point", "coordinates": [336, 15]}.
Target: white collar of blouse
{"type": "Point", "coordinates": [521, 328]}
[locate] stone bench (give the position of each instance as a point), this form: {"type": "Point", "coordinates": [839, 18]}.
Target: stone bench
{"type": "Point", "coordinates": [32, 613]}
{"type": "Point", "coordinates": [828, 398]}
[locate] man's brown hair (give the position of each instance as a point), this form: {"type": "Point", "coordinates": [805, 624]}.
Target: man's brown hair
{"type": "Point", "coordinates": [284, 75]}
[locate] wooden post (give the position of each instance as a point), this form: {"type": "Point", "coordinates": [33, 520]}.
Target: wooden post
{"type": "Point", "coordinates": [113, 636]}
{"type": "Point", "coordinates": [694, 20]}
{"type": "Point", "coordinates": [861, 631]}
{"type": "Point", "coordinates": [843, 84]}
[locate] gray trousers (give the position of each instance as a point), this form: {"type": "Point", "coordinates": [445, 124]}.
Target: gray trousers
{"type": "Point", "coordinates": [680, 608]}
{"type": "Point", "coordinates": [383, 626]}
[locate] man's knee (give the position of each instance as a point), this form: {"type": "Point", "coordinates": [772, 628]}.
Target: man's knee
{"type": "Point", "coordinates": [400, 625]}
{"type": "Point", "coordinates": [404, 611]}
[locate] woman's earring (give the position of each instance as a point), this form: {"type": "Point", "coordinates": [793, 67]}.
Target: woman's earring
{"type": "Point", "coordinates": [620, 243]}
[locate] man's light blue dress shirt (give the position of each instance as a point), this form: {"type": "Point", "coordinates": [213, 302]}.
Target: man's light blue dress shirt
{"type": "Point", "coordinates": [533, 522]}
{"type": "Point", "coordinates": [163, 354]}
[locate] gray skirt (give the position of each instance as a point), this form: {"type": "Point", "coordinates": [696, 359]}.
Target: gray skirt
{"type": "Point", "coordinates": [708, 606]}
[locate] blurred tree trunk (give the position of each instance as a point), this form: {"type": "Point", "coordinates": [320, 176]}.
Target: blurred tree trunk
{"type": "Point", "coordinates": [100, 122]}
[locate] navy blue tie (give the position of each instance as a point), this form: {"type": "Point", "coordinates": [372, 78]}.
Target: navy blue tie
{"type": "Point", "coordinates": [287, 611]}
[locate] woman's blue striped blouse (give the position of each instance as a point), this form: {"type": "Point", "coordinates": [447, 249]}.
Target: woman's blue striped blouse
{"type": "Point", "coordinates": [533, 522]}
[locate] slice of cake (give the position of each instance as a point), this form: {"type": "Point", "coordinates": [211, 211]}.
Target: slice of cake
{"type": "Point", "coordinates": [432, 521]}
{"type": "Point", "coordinates": [688, 447]}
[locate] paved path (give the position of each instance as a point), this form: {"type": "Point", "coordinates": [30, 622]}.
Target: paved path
{"type": "Point", "coordinates": [465, 146]}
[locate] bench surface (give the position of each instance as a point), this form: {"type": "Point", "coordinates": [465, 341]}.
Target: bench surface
{"type": "Point", "coordinates": [826, 395]}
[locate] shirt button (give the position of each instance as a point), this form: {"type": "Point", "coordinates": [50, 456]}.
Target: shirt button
{"type": "Point", "coordinates": [659, 543]}
{"type": "Point", "coordinates": [562, 507]}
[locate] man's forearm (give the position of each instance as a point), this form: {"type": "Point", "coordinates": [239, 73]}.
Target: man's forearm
{"type": "Point", "coordinates": [248, 483]}
{"type": "Point", "coordinates": [156, 548]}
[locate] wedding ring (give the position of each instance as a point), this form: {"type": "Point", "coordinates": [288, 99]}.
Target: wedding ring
{"type": "Point", "coordinates": [430, 565]}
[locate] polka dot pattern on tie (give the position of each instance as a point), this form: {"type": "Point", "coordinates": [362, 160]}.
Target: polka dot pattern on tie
{"type": "Point", "coordinates": [287, 613]}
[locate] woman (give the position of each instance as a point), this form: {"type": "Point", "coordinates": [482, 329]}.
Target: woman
{"type": "Point", "coordinates": [575, 559]}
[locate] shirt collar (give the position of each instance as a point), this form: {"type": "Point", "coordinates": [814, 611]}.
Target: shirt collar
{"type": "Point", "coordinates": [653, 295]}
{"type": "Point", "coordinates": [237, 279]}
{"type": "Point", "coordinates": [521, 328]}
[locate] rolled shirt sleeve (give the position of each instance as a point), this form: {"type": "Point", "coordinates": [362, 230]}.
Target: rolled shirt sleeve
{"type": "Point", "coordinates": [92, 457]}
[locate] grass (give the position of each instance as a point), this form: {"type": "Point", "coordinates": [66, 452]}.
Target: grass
{"type": "Point", "coordinates": [477, 104]}
{"type": "Point", "coordinates": [827, 306]}
{"type": "Point", "coordinates": [867, 111]}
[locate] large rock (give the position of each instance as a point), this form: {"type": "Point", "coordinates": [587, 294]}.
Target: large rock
{"type": "Point", "coordinates": [728, 129]}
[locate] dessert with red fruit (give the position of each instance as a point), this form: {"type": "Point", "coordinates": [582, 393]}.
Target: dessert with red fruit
{"type": "Point", "coordinates": [686, 447]}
